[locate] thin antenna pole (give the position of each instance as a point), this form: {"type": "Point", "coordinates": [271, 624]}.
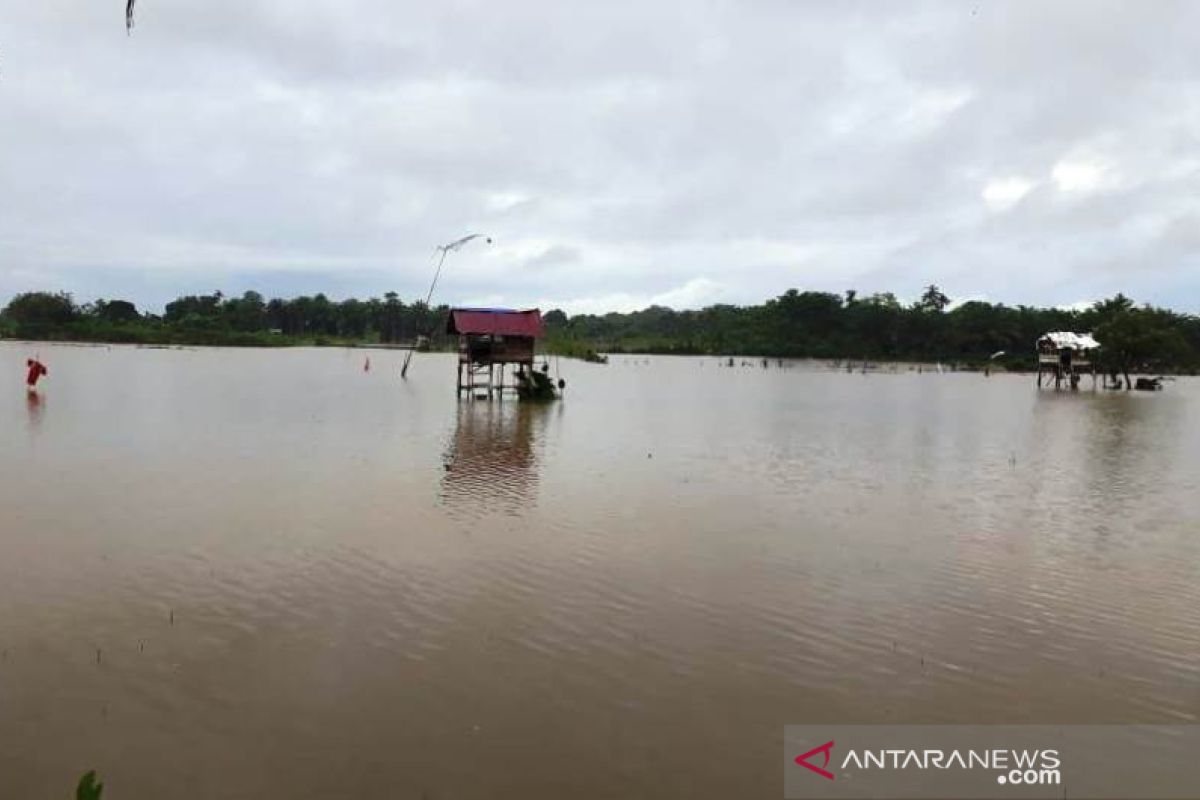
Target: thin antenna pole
{"type": "Point", "coordinates": [429, 296]}
{"type": "Point", "coordinates": [444, 249]}
{"type": "Point", "coordinates": [437, 273]}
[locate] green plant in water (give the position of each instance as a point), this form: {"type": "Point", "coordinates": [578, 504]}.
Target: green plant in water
{"type": "Point", "coordinates": [535, 386]}
{"type": "Point", "coordinates": [88, 788]}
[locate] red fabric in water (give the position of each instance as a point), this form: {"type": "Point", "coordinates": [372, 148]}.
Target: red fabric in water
{"type": "Point", "coordinates": [36, 370]}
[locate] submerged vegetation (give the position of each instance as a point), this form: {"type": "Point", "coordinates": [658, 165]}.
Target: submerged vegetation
{"type": "Point", "coordinates": [89, 787]}
{"type": "Point", "coordinates": [536, 386]}
{"type": "Point", "coordinates": [794, 325]}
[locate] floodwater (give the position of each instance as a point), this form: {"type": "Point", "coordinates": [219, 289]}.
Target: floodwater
{"type": "Point", "coordinates": [248, 574]}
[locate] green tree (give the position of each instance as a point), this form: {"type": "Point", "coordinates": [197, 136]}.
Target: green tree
{"type": "Point", "coordinates": [933, 300]}
{"type": "Point", "coordinates": [193, 306]}
{"type": "Point", "coordinates": [393, 310]}
{"type": "Point", "coordinates": [246, 313]}
{"type": "Point", "coordinates": [117, 311]}
{"type": "Point", "coordinates": [39, 315]}
{"type": "Point", "coordinates": [1138, 339]}
{"type": "Point", "coordinates": [555, 320]}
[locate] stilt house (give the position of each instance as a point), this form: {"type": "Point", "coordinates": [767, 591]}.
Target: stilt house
{"type": "Point", "coordinates": [490, 339]}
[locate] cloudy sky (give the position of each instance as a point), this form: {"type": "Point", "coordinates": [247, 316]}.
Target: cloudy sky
{"type": "Point", "coordinates": [620, 153]}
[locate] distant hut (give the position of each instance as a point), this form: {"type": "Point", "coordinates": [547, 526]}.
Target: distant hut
{"type": "Point", "coordinates": [489, 339]}
{"type": "Point", "coordinates": [1067, 356]}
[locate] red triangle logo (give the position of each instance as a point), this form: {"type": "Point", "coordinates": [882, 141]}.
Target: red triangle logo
{"type": "Point", "coordinates": [802, 760]}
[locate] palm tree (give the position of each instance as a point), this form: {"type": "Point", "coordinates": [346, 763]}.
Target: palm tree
{"type": "Point", "coordinates": [933, 300]}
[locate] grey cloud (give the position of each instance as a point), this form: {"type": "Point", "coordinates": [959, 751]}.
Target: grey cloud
{"type": "Point", "coordinates": [632, 151]}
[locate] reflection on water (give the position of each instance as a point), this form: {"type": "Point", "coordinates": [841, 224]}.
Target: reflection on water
{"type": "Point", "coordinates": [1100, 455]}
{"type": "Point", "coordinates": [491, 460]}
{"type": "Point", "coordinates": [35, 404]}
{"type": "Point", "coordinates": [325, 582]}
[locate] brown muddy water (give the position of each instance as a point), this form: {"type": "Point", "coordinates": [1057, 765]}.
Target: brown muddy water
{"type": "Point", "coordinates": [245, 574]}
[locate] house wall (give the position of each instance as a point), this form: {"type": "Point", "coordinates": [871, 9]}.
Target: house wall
{"type": "Point", "coordinates": [495, 349]}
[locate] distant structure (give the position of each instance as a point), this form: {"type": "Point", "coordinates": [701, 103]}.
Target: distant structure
{"type": "Point", "coordinates": [489, 339]}
{"type": "Point", "coordinates": [1067, 356]}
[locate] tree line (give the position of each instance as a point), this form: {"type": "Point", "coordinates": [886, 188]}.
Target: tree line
{"type": "Point", "coordinates": [797, 324]}
{"type": "Point", "coordinates": [879, 327]}
{"type": "Point", "coordinates": [217, 319]}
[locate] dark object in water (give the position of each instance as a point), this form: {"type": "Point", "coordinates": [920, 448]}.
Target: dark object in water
{"type": "Point", "coordinates": [36, 371]}
{"type": "Point", "coordinates": [89, 788]}
{"type": "Point", "coordinates": [533, 385]}
{"type": "Point", "coordinates": [1148, 384]}
{"type": "Point", "coordinates": [592, 357]}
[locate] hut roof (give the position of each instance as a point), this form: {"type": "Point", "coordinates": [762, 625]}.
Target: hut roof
{"type": "Point", "coordinates": [495, 321]}
{"type": "Point", "coordinates": [1065, 340]}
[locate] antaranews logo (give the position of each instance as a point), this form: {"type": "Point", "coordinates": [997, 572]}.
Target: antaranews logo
{"type": "Point", "coordinates": [803, 758]}
{"type": "Point", "coordinates": [983, 762]}
{"type": "Point", "coordinates": [1012, 766]}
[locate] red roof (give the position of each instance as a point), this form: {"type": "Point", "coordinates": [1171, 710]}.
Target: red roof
{"type": "Point", "coordinates": [497, 321]}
